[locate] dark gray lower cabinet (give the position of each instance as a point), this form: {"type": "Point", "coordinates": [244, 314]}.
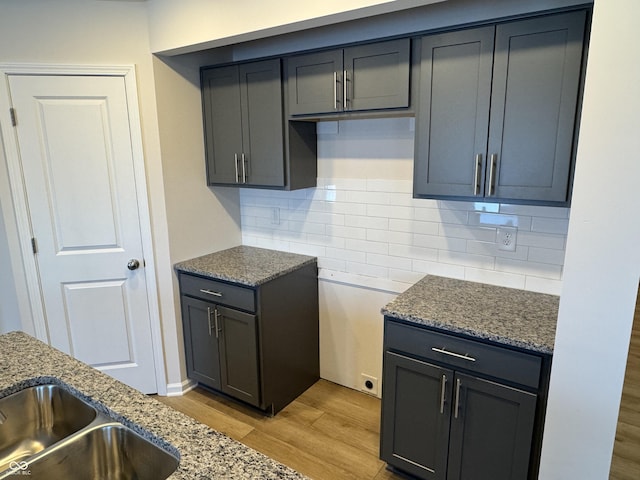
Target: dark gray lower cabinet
{"type": "Point", "coordinates": [258, 345]}
{"type": "Point", "coordinates": [443, 420]}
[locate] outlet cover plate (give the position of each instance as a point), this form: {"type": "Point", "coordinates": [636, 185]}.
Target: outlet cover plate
{"type": "Point", "coordinates": [506, 238]}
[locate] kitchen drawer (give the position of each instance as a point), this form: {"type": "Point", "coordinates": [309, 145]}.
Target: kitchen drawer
{"type": "Point", "coordinates": [218, 292]}
{"type": "Point", "coordinates": [494, 361]}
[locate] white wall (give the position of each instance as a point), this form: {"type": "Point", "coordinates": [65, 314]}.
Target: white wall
{"type": "Point", "coordinates": [189, 25]}
{"type": "Point", "coordinates": [602, 265]}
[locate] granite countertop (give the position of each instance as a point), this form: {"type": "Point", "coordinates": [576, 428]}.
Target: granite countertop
{"type": "Point", "coordinates": [204, 453]}
{"type": "Point", "coordinates": [503, 315]}
{"type": "Point", "coordinates": [245, 265]}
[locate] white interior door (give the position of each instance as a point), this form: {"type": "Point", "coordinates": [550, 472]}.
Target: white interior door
{"type": "Point", "coordinates": [75, 148]}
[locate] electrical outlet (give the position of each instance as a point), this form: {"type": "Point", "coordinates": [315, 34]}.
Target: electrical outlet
{"type": "Point", "coordinates": [506, 238]}
{"type": "Point", "coordinates": [369, 384]}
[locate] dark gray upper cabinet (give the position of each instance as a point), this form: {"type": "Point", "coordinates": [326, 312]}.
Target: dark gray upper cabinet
{"type": "Point", "coordinates": [247, 141]}
{"type": "Point", "coordinates": [497, 111]}
{"type": "Point", "coordinates": [457, 409]}
{"type": "Point", "coordinates": [364, 77]}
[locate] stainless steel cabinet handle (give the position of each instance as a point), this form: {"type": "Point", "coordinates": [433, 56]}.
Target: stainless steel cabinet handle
{"type": "Point", "coordinates": [476, 175]}
{"type": "Point", "coordinates": [209, 319]}
{"type": "Point", "coordinates": [335, 90]}
{"type": "Point", "coordinates": [211, 292]}
{"type": "Point", "coordinates": [457, 407]}
{"type": "Point", "coordinates": [443, 387]}
{"type": "Point", "coordinates": [454, 354]}
{"type": "Point", "coordinates": [235, 159]}
{"type": "Point", "coordinates": [492, 167]}
{"type": "Point", "coordinates": [244, 168]}
{"type": "Point", "coordinates": [216, 315]}
{"type": "Point", "coordinates": [345, 97]}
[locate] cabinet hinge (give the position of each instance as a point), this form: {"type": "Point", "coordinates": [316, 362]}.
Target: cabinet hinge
{"type": "Point", "coordinates": [12, 112]}
{"type": "Point", "coordinates": [34, 245]}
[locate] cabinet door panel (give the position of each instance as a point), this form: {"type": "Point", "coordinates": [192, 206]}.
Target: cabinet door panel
{"type": "Point", "coordinates": [377, 75]}
{"type": "Point", "coordinates": [314, 83]}
{"type": "Point", "coordinates": [453, 116]}
{"type": "Point", "coordinates": [491, 431]}
{"type": "Point", "coordinates": [535, 93]}
{"type": "Point", "coordinates": [238, 337]}
{"type": "Point", "coordinates": [415, 429]}
{"type": "Point", "coordinates": [261, 106]}
{"type": "Point", "coordinates": [201, 344]}
{"type": "Point", "coordinates": [222, 123]}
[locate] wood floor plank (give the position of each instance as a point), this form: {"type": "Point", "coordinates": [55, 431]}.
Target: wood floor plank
{"type": "Point", "coordinates": [340, 428]}
{"type": "Point", "coordinates": [234, 428]}
{"type": "Point", "coordinates": [299, 460]}
{"type": "Point", "coordinates": [625, 463]}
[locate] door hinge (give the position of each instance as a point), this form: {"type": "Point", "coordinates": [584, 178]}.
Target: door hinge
{"type": "Point", "coordinates": [12, 112]}
{"type": "Point", "coordinates": [34, 245]}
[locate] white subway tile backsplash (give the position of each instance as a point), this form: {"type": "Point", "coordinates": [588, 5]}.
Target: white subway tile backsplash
{"type": "Point", "coordinates": [425, 228]}
{"type": "Point", "coordinates": [467, 260]}
{"type": "Point", "coordinates": [543, 270]}
{"type": "Point", "coordinates": [413, 252]}
{"type": "Point", "coordinates": [372, 231]}
{"type": "Point", "coordinates": [550, 225]}
{"type": "Point", "coordinates": [364, 221]}
{"type": "Point", "coordinates": [388, 261]}
{"type": "Point", "coordinates": [546, 255]}
{"type": "Point", "coordinates": [391, 186]}
{"type": "Point", "coordinates": [442, 269]}
{"type": "Point", "coordinates": [366, 246]}
{"type": "Point", "coordinates": [459, 217]}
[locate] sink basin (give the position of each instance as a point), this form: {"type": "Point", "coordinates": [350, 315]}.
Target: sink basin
{"type": "Point", "coordinates": [107, 452]}
{"type": "Point", "coordinates": [36, 418]}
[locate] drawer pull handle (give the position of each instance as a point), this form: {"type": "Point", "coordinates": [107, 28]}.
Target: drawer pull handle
{"type": "Point", "coordinates": [211, 292]}
{"type": "Point", "coordinates": [453, 354]}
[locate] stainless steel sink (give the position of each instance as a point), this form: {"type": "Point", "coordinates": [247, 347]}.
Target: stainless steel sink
{"type": "Point", "coordinates": [48, 433]}
{"type": "Point", "coordinates": [36, 418]}
{"type": "Point", "coordinates": [108, 452]}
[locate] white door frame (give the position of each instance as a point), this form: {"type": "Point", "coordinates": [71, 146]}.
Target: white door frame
{"type": "Point", "coordinates": [19, 195]}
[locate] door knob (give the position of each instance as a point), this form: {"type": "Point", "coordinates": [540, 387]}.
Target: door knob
{"type": "Point", "coordinates": [133, 264]}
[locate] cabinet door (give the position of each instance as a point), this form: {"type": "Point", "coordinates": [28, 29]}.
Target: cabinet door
{"type": "Point", "coordinates": [376, 75]}
{"type": "Point", "coordinates": [453, 115]}
{"type": "Point", "coordinates": [314, 82]}
{"type": "Point", "coordinates": [200, 342]}
{"type": "Point", "coordinates": [533, 108]}
{"type": "Point", "coordinates": [491, 431]}
{"type": "Point", "coordinates": [222, 123]}
{"type": "Point", "coordinates": [416, 406]}
{"type": "Point", "coordinates": [238, 337]}
{"type": "Point", "coordinates": [262, 127]}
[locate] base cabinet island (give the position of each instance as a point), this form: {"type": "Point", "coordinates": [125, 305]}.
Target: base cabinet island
{"type": "Point", "coordinates": [250, 323]}
{"type": "Point", "coordinates": [466, 375]}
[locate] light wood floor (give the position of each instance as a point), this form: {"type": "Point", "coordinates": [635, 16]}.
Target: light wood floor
{"type": "Point", "coordinates": [329, 432]}
{"type": "Point", "coordinates": [625, 464]}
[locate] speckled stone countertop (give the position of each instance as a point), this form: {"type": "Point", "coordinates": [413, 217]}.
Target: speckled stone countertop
{"type": "Point", "coordinates": [245, 265]}
{"type": "Point", "coordinates": [504, 315]}
{"type": "Point", "coordinates": [204, 453]}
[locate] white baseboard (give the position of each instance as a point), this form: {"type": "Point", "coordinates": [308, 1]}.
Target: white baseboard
{"type": "Point", "coordinates": [179, 389]}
